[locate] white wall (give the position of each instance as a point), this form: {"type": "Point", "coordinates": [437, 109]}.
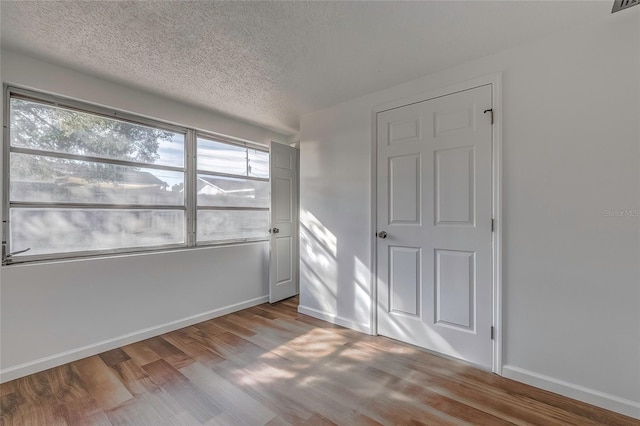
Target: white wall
{"type": "Point", "coordinates": [88, 306]}
{"type": "Point", "coordinates": [55, 312]}
{"type": "Point", "coordinates": [571, 274]}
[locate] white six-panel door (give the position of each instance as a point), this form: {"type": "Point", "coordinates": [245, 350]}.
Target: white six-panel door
{"type": "Point", "coordinates": [284, 222]}
{"type": "Point", "coordinates": [434, 253]}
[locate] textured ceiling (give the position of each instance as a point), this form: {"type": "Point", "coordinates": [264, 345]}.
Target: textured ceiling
{"type": "Point", "coordinates": [270, 62]}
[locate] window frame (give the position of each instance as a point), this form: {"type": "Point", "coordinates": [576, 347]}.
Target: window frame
{"type": "Point", "coordinates": [189, 169]}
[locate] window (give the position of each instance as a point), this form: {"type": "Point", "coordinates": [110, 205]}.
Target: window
{"type": "Point", "coordinates": [82, 180]}
{"type": "Point", "coordinates": [232, 191]}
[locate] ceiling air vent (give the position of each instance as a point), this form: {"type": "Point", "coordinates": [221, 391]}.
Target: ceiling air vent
{"type": "Point", "coordinates": [618, 5]}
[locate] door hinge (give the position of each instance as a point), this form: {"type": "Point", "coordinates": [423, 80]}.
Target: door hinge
{"type": "Point", "coordinates": [492, 333]}
{"type": "Point", "coordinates": [493, 225]}
{"type": "Point", "coordinates": [491, 111]}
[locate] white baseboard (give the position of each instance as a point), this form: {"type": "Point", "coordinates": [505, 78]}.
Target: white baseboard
{"type": "Point", "coordinates": [335, 319]}
{"type": "Point", "coordinates": [51, 361]}
{"type": "Point", "coordinates": [581, 393]}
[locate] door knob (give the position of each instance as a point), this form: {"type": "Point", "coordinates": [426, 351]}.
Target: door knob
{"type": "Point", "coordinates": [382, 234]}
{"type": "Point", "coordinates": [274, 230]}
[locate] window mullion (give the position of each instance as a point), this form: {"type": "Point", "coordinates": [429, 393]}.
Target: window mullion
{"type": "Point", "coordinates": [191, 187]}
{"type": "Point", "coordinates": [233, 176]}
{"type": "Point", "coordinates": [94, 206]}
{"type": "Point", "coordinates": [92, 159]}
{"type": "Point", "coordinates": [246, 154]}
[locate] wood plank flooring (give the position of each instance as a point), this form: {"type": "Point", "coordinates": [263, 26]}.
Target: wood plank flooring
{"type": "Point", "coordinates": [269, 365]}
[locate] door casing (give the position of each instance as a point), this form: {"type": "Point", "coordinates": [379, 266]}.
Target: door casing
{"type": "Point", "coordinates": [495, 80]}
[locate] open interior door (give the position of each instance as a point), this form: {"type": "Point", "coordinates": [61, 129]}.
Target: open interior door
{"type": "Point", "coordinates": [283, 265]}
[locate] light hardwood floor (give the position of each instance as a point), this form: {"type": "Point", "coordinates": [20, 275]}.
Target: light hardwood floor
{"type": "Point", "coordinates": [271, 365]}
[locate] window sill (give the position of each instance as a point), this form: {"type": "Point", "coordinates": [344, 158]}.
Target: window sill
{"type": "Point", "coordinates": [144, 252]}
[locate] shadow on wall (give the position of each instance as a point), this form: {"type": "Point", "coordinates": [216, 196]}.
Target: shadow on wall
{"type": "Point", "coordinates": [331, 282]}
{"type": "Point", "coordinates": [319, 266]}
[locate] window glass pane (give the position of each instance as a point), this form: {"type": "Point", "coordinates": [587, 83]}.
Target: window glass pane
{"type": "Point", "coordinates": [232, 192]}
{"type": "Point", "coordinates": [39, 126]}
{"type": "Point", "coordinates": [221, 157]}
{"type": "Point", "coordinates": [258, 163]}
{"type": "Point", "coordinates": [48, 231]}
{"type": "Point", "coordinates": [221, 225]}
{"type": "Point", "coordinates": [39, 178]}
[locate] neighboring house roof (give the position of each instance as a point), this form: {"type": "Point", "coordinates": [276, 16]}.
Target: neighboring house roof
{"type": "Point", "coordinates": [129, 179]}
{"type": "Point", "coordinates": [218, 185]}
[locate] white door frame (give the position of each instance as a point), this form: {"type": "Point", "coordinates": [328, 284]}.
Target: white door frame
{"type": "Point", "coordinates": [495, 80]}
